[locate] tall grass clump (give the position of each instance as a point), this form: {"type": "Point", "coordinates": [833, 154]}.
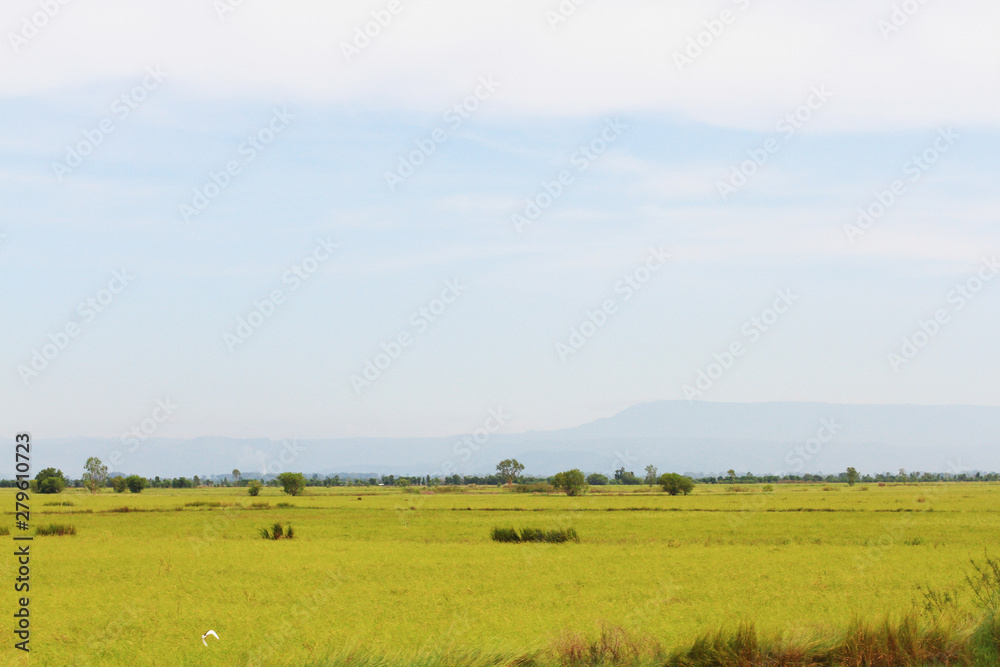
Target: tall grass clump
{"type": "Point", "coordinates": [614, 646]}
{"type": "Point", "coordinates": [723, 648]}
{"type": "Point", "coordinates": [56, 529]}
{"type": "Point", "coordinates": [985, 584]}
{"type": "Point", "coordinates": [277, 532]}
{"type": "Point", "coordinates": [556, 536]}
{"type": "Point", "coordinates": [906, 642]}
{"type": "Point", "coordinates": [505, 535]}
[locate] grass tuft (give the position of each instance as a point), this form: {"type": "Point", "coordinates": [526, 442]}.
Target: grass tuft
{"type": "Point", "coordinates": [558, 535]}
{"type": "Point", "coordinates": [56, 529]}
{"type": "Point", "coordinates": [277, 532]}
{"type": "Point", "coordinates": [614, 646]}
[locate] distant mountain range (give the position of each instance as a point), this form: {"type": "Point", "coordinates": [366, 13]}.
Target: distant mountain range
{"type": "Point", "coordinates": [680, 436]}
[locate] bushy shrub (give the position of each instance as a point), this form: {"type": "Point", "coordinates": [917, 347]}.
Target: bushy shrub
{"type": "Point", "coordinates": [675, 484]}
{"type": "Point", "coordinates": [118, 484]}
{"type": "Point", "coordinates": [570, 481]}
{"type": "Point", "coordinates": [292, 483]}
{"type": "Point", "coordinates": [253, 488]}
{"type": "Point", "coordinates": [135, 483]}
{"type": "Point", "coordinates": [597, 479]}
{"type": "Point", "coordinates": [49, 480]}
{"type": "Point", "coordinates": [52, 485]}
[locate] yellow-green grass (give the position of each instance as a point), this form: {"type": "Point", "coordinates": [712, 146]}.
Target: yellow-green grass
{"type": "Point", "coordinates": [401, 575]}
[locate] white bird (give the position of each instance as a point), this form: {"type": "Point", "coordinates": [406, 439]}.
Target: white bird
{"type": "Point", "coordinates": [210, 632]}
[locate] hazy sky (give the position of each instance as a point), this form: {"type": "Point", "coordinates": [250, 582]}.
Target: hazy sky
{"type": "Point", "coordinates": [219, 214]}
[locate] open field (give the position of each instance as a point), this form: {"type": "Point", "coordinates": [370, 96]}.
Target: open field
{"type": "Point", "coordinates": [398, 575]}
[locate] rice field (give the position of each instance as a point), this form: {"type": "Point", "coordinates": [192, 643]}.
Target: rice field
{"type": "Point", "coordinates": [386, 576]}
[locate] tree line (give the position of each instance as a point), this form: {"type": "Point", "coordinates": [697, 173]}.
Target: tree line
{"type": "Point", "coordinates": [508, 472]}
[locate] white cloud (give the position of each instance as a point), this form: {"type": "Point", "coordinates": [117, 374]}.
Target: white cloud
{"type": "Point", "coordinates": [608, 57]}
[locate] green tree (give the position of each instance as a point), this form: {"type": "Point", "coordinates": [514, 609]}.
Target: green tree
{"type": "Point", "coordinates": [597, 479]}
{"type": "Point", "coordinates": [118, 484]}
{"type": "Point", "coordinates": [253, 488]}
{"type": "Point", "coordinates": [650, 475]}
{"type": "Point", "coordinates": [49, 472]}
{"type": "Point", "coordinates": [50, 480]}
{"type": "Point", "coordinates": [852, 476]}
{"type": "Point", "coordinates": [509, 469]}
{"type": "Point", "coordinates": [292, 482]}
{"type": "Point", "coordinates": [732, 476]}
{"type": "Point", "coordinates": [96, 473]}
{"type": "Point", "coordinates": [623, 476]}
{"type": "Point", "coordinates": [675, 484]}
{"type": "Point", "coordinates": [135, 483]}
{"type": "Point", "coordinates": [236, 476]}
{"type": "Point", "coordinates": [570, 481]}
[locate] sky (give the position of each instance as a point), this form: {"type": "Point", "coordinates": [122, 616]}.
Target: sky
{"type": "Point", "coordinates": [318, 220]}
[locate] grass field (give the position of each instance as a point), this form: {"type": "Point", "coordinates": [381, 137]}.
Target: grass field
{"type": "Point", "coordinates": [402, 577]}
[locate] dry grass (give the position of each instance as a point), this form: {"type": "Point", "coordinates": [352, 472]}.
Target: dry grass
{"type": "Point", "coordinates": [613, 646]}
{"type": "Point", "coordinates": [56, 529]}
